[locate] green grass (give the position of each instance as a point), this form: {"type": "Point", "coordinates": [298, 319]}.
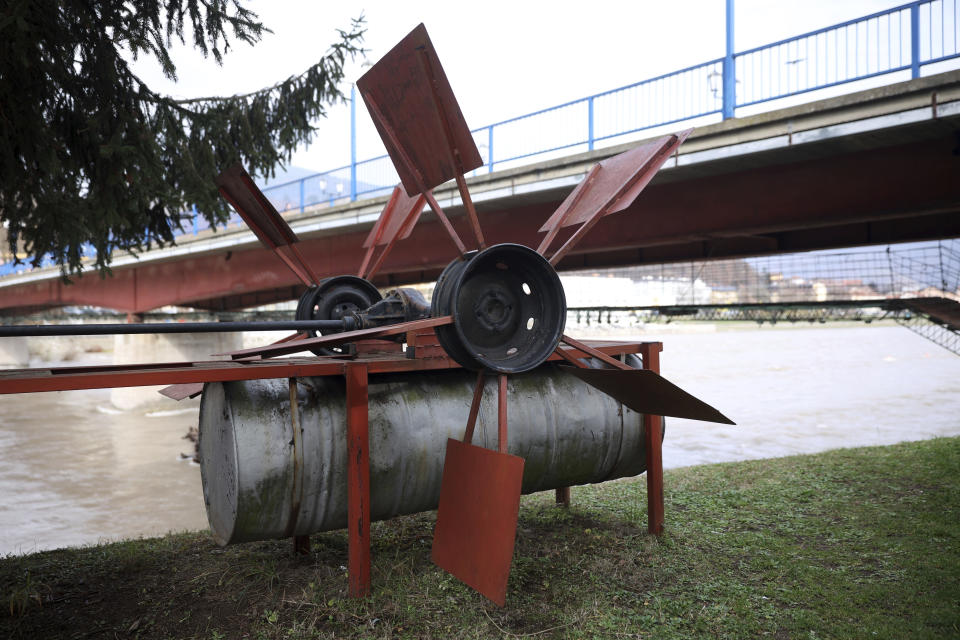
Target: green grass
{"type": "Point", "coordinates": [858, 543]}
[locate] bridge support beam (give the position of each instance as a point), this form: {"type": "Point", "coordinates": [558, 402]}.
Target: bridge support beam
{"type": "Point", "coordinates": [798, 179]}
{"type": "Point", "coordinates": [14, 353]}
{"type": "Point", "coordinates": [178, 347]}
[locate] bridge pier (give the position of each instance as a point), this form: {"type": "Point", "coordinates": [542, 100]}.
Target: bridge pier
{"type": "Point", "coordinates": [14, 353]}
{"type": "Point", "coordinates": [178, 347]}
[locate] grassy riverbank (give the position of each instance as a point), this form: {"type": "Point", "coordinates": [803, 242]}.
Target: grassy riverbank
{"type": "Point", "coordinates": [859, 543]}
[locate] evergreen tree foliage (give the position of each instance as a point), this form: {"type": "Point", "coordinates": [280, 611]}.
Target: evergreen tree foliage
{"type": "Point", "coordinates": [90, 154]}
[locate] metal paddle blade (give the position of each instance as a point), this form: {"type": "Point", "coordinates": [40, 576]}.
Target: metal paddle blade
{"type": "Point", "coordinates": [397, 219]}
{"type": "Point", "coordinates": [256, 210]}
{"type": "Point", "coordinates": [417, 116]}
{"type": "Point", "coordinates": [182, 390]}
{"type": "Point", "coordinates": [617, 182]}
{"type": "Point", "coordinates": [477, 517]}
{"type": "Point", "coordinates": [647, 392]}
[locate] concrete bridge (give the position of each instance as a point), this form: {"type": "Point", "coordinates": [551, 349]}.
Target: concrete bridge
{"type": "Point", "coordinates": [872, 167]}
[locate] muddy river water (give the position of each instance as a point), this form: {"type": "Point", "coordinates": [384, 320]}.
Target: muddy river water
{"type": "Point", "coordinates": [74, 470]}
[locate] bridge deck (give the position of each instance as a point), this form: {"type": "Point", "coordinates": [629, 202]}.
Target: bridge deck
{"type": "Point", "coordinates": [874, 167]}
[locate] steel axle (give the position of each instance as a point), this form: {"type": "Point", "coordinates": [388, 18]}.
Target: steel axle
{"type": "Point", "coordinates": [29, 330]}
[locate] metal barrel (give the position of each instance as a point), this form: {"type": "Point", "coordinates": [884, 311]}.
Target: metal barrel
{"type": "Point", "coordinates": [261, 481]}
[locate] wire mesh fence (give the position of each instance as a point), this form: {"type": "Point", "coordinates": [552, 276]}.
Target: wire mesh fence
{"type": "Point", "coordinates": [917, 286]}
{"type": "Point", "coordinates": [926, 270]}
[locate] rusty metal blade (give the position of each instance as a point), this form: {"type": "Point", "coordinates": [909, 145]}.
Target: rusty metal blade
{"type": "Point", "coordinates": [397, 219]}
{"type": "Point", "coordinates": [617, 184]}
{"type": "Point", "coordinates": [297, 346]}
{"type": "Point", "coordinates": [477, 517]}
{"type": "Point", "coordinates": [647, 392]}
{"type": "Point", "coordinates": [182, 391]}
{"type": "Point", "coordinates": [412, 216]}
{"type": "Point", "coordinates": [399, 86]}
{"type": "Point", "coordinates": [256, 210]}
{"type": "Point", "coordinates": [373, 238]}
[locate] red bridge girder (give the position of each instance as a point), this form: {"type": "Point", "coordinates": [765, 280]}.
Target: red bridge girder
{"type": "Point", "coordinates": [897, 193]}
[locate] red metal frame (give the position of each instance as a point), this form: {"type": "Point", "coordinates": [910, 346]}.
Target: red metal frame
{"type": "Point", "coordinates": [237, 188]}
{"type": "Point", "coordinates": [411, 90]}
{"type": "Point", "coordinates": [652, 425]}
{"type": "Point", "coordinates": [414, 109]}
{"type": "Point", "coordinates": [358, 481]}
{"type": "Point", "coordinates": [452, 149]}
{"type": "Point", "coordinates": [300, 346]}
{"type": "Point", "coordinates": [356, 373]}
{"type": "Point", "coordinates": [166, 373]}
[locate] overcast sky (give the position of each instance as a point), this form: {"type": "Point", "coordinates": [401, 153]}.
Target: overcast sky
{"type": "Point", "coordinates": [502, 58]}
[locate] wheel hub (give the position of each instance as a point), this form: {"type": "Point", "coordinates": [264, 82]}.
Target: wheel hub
{"type": "Point", "coordinates": [508, 309]}
{"type": "Point", "coordinates": [494, 309]}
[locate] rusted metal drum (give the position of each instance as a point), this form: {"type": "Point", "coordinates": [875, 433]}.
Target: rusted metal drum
{"type": "Point", "coordinates": [261, 481]}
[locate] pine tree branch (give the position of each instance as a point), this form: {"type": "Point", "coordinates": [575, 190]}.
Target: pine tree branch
{"type": "Point", "coordinates": [97, 159]}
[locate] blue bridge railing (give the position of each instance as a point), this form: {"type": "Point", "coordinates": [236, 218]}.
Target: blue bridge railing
{"type": "Point", "coordinates": [904, 38]}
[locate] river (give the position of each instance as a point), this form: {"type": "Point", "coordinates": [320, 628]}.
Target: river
{"type": "Point", "coordinates": [74, 470]}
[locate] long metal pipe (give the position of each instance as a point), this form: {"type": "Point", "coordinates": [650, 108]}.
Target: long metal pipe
{"type": "Point", "coordinates": [32, 330]}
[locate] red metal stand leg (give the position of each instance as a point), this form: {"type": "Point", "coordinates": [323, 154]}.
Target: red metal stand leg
{"type": "Point", "coordinates": [358, 481]}
{"type": "Point", "coordinates": [650, 352]}
{"type": "Point", "coordinates": [563, 496]}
